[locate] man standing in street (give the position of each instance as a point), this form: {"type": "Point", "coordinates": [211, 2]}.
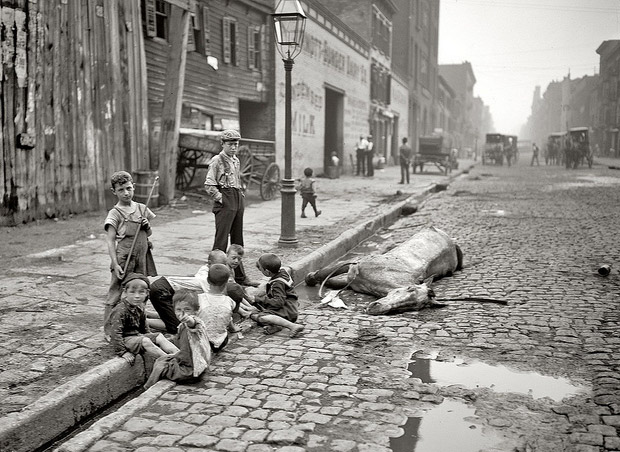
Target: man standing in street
{"type": "Point", "coordinates": [224, 186]}
{"type": "Point", "coordinates": [404, 153]}
{"type": "Point", "coordinates": [360, 155]}
{"type": "Point", "coordinates": [370, 172]}
{"type": "Point", "coordinates": [534, 155]}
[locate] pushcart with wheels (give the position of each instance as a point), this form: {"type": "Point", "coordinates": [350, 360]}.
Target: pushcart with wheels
{"type": "Point", "coordinates": [256, 157]}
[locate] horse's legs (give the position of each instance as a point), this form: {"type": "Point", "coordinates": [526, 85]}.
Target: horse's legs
{"type": "Point", "coordinates": [318, 276]}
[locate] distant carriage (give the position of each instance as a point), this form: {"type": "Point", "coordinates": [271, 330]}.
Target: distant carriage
{"type": "Point", "coordinates": [511, 151]}
{"type": "Point", "coordinates": [554, 150]}
{"type": "Point", "coordinates": [577, 148]}
{"type": "Point", "coordinates": [432, 150]}
{"type": "Point", "coordinates": [493, 153]}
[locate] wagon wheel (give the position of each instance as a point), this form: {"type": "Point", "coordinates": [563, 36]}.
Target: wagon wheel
{"type": "Point", "coordinates": [270, 183]}
{"type": "Point", "coordinates": [186, 167]}
{"type": "Point", "coordinates": [246, 164]}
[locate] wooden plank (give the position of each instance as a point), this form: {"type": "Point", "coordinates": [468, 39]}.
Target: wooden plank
{"type": "Point", "coordinates": [171, 109]}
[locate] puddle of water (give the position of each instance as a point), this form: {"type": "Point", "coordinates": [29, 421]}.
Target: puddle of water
{"type": "Point", "coordinates": [446, 427]}
{"type": "Point", "coordinates": [499, 378]}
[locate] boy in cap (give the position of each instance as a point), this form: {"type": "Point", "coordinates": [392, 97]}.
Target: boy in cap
{"type": "Point", "coordinates": [224, 186]}
{"type": "Point", "coordinates": [129, 333]}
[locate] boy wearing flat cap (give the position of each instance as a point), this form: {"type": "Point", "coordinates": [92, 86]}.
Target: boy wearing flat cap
{"type": "Point", "coordinates": [129, 332]}
{"type": "Point", "coordinates": [224, 186]}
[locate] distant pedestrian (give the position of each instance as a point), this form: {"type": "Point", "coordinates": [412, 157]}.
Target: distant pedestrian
{"type": "Point", "coordinates": [308, 194]}
{"type": "Point", "coordinates": [278, 307]}
{"type": "Point", "coordinates": [129, 333]}
{"type": "Point", "coordinates": [370, 152]}
{"type": "Point", "coordinates": [404, 153]}
{"type": "Point", "coordinates": [535, 155]}
{"type": "Point", "coordinates": [223, 184]}
{"type": "Point", "coordinates": [360, 155]}
{"type": "Point", "coordinates": [334, 159]}
{"type": "Point", "coordinates": [126, 221]}
{"type": "Point", "coordinates": [194, 355]}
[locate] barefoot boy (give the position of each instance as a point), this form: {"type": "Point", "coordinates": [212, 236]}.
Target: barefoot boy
{"type": "Point", "coordinates": [278, 307]}
{"type": "Point", "coordinates": [129, 332]}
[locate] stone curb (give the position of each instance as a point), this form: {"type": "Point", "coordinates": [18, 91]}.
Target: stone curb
{"type": "Point", "coordinates": [70, 403]}
{"type": "Point", "coordinates": [65, 406]}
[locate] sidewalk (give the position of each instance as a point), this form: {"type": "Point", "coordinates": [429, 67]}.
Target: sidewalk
{"type": "Point", "coordinates": [52, 306]}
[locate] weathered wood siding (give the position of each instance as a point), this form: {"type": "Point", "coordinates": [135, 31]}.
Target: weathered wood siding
{"type": "Point", "coordinates": [73, 84]}
{"type": "Point", "coordinates": [219, 91]}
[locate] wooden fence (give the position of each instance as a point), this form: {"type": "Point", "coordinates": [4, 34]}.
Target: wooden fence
{"type": "Point", "coordinates": [73, 104]}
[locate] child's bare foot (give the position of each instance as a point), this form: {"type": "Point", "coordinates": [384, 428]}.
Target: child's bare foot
{"type": "Point", "coordinates": [297, 330]}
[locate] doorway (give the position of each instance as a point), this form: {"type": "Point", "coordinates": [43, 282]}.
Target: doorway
{"type": "Point", "coordinates": [334, 130]}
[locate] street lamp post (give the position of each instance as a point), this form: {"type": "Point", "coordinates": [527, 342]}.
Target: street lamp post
{"type": "Point", "coordinates": [289, 21]}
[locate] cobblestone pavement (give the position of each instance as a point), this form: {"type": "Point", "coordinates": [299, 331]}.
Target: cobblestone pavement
{"type": "Point", "coordinates": [52, 291]}
{"type": "Point", "coordinates": [532, 236]}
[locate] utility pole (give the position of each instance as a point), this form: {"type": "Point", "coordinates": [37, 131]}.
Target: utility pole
{"type": "Point", "coordinates": [173, 97]}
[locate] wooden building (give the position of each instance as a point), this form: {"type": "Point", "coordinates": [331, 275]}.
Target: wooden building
{"type": "Point", "coordinates": [72, 86]}
{"type": "Point", "coordinates": [229, 67]}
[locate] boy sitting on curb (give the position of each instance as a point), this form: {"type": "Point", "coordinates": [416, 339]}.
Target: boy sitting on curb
{"type": "Point", "coordinates": [278, 307]}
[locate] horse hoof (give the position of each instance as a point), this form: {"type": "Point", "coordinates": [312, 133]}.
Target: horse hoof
{"type": "Point", "coordinates": [310, 279]}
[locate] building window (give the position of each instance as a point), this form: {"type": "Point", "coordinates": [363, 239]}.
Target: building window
{"type": "Point", "coordinates": [230, 41]}
{"type": "Point", "coordinates": [255, 44]}
{"type": "Point", "coordinates": [381, 32]}
{"type": "Point", "coordinates": [380, 84]}
{"type": "Point", "coordinates": [155, 18]}
{"type": "Point", "coordinates": [424, 72]}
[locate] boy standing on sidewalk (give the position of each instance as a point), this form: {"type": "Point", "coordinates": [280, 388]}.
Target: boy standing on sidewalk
{"type": "Point", "coordinates": [126, 220]}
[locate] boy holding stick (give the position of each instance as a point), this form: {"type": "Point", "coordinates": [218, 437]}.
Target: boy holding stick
{"type": "Point", "coordinates": [128, 228]}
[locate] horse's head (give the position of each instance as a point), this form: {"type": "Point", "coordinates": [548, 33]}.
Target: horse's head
{"type": "Point", "coordinates": [411, 298]}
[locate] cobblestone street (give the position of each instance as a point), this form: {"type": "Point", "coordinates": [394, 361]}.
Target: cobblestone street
{"type": "Point", "coordinates": [531, 236]}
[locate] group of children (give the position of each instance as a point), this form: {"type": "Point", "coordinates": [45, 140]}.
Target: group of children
{"type": "Point", "coordinates": [198, 310]}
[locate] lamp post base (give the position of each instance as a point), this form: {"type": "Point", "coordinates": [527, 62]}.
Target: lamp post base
{"type": "Point", "coordinates": [287, 235]}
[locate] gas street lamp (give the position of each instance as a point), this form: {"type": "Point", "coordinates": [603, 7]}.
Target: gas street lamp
{"type": "Point", "coordinates": [289, 22]}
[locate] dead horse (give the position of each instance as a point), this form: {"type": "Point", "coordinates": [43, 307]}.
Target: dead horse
{"type": "Point", "coordinates": [401, 277]}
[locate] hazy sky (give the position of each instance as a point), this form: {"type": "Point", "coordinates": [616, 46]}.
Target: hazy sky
{"type": "Point", "coordinates": [515, 45]}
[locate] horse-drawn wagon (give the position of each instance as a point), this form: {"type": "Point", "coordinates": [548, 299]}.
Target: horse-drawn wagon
{"type": "Point", "coordinates": [493, 149]}
{"type": "Point", "coordinates": [256, 157]}
{"type": "Point", "coordinates": [553, 153]}
{"type": "Point", "coordinates": [577, 148]}
{"type": "Point", "coordinates": [431, 150]}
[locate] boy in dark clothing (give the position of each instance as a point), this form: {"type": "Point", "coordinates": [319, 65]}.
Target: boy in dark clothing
{"type": "Point", "coordinates": [129, 332]}
{"type": "Point", "coordinates": [308, 193]}
{"type": "Point", "coordinates": [278, 307]}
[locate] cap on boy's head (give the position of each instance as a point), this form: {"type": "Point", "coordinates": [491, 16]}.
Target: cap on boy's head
{"type": "Point", "coordinates": [218, 274]}
{"type": "Point", "coordinates": [120, 178]}
{"type": "Point", "coordinates": [186, 296]}
{"type": "Point", "coordinates": [370, 137]}
{"type": "Point", "coordinates": [271, 262]}
{"type": "Point", "coordinates": [217, 257]}
{"type": "Point", "coordinates": [308, 172]}
{"type": "Point", "coordinates": [230, 135]}
{"type": "Point", "coordinates": [133, 276]}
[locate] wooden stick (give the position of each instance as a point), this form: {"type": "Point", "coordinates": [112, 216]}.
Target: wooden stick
{"type": "Point", "coordinates": [133, 244]}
